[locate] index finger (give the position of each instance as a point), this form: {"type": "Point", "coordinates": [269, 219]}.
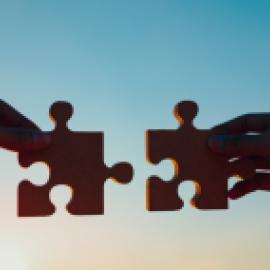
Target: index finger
{"type": "Point", "coordinates": [10, 117]}
{"type": "Point", "coordinates": [254, 122]}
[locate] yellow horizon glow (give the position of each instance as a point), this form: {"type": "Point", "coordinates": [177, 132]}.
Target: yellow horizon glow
{"type": "Point", "coordinates": [11, 257]}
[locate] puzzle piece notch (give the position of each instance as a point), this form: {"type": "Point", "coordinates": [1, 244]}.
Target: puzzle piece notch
{"type": "Point", "coordinates": [76, 160]}
{"type": "Point", "coordinates": [60, 196]}
{"type": "Point", "coordinates": [188, 148]}
{"type": "Point", "coordinates": [188, 191]}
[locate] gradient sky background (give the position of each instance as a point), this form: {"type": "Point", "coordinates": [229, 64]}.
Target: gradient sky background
{"type": "Point", "coordinates": [124, 65]}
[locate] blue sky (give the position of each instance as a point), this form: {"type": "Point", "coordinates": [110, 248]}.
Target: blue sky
{"type": "Point", "coordinates": [124, 65]}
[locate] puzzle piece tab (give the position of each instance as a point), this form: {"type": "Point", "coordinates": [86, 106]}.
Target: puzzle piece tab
{"type": "Point", "coordinates": [75, 159]}
{"type": "Point", "coordinates": [187, 147]}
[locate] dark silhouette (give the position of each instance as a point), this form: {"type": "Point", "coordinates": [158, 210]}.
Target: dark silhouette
{"type": "Point", "coordinates": [246, 137]}
{"type": "Point", "coordinates": [187, 147]}
{"type": "Point", "coordinates": [17, 133]}
{"type": "Point", "coordinates": [76, 159]}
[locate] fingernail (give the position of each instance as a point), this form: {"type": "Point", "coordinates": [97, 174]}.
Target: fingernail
{"type": "Point", "coordinates": [215, 142]}
{"type": "Point", "coordinates": [47, 138]}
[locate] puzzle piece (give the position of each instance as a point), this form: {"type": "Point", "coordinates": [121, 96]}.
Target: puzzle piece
{"type": "Point", "coordinates": [75, 159]}
{"type": "Point", "coordinates": [187, 148]}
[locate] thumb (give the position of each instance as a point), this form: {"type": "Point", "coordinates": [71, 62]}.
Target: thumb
{"type": "Point", "coordinates": [239, 145]}
{"type": "Point", "coordinates": [17, 139]}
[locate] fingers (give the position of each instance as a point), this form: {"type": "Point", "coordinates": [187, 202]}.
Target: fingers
{"type": "Point", "coordinates": [17, 133]}
{"type": "Point", "coordinates": [260, 182]}
{"type": "Point", "coordinates": [258, 122]}
{"type": "Point", "coordinates": [260, 163]}
{"type": "Point", "coordinates": [23, 139]}
{"type": "Point", "coordinates": [240, 145]}
{"type": "Point", "coordinates": [12, 118]}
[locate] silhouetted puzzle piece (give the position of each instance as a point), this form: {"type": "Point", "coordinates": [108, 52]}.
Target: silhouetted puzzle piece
{"type": "Point", "coordinates": [187, 148]}
{"type": "Point", "coordinates": [75, 159]}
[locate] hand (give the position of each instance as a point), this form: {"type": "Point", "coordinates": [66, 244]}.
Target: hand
{"type": "Point", "coordinates": [247, 136]}
{"type": "Point", "coordinates": [17, 133]}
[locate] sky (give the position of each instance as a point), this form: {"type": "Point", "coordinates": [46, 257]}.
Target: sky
{"type": "Point", "coordinates": [124, 65]}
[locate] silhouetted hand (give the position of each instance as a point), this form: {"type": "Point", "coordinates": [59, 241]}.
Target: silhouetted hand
{"type": "Point", "coordinates": [247, 136]}
{"type": "Point", "coordinates": [17, 133]}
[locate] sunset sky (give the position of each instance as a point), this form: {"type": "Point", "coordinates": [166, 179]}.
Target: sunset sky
{"type": "Point", "coordinates": [124, 65]}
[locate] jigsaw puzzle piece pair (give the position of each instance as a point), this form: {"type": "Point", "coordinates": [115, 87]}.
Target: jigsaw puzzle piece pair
{"type": "Point", "coordinates": [76, 159]}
